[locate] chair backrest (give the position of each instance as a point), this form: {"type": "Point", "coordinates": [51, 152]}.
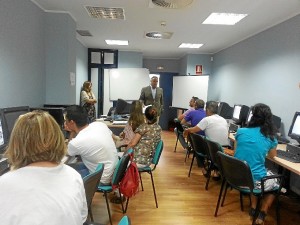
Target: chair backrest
{"type": "Point", "coordinates": [91, 182]}
{"type": "Point", "coordinates": [213, 148]}
{"type": "Point", "coordinates": [158, 151]}
{"type": "Point", "coordinates": [178, 125]}
{"type": "Point", "coordinates": [120, 169]}
{"type": "Point", "coordinates": [199, 144]}
{"type": "Point", "coordinates": [236, 172]}
{"type": "Point", "coordinates": [124, 221]}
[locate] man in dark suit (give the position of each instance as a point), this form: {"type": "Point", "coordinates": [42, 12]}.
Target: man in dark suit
{"type": "Point", "coordinates": [153, 95]}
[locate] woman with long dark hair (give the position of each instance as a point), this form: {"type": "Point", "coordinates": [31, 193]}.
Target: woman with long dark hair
{"type": "Point", "coordinates": [253, 144]}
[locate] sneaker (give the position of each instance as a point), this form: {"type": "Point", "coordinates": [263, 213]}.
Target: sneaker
{"type": "Point", "coordinates": [260, 218]}
{"type": "Point", "coordinates": [252, 213]}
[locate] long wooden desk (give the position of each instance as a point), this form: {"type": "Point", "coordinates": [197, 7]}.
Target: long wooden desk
{"type": "Point", "coordinates": [115, 128]}
{"type": "Point", "coordinates": [293, 167]}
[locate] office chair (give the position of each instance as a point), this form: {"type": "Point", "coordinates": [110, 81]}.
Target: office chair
{"type": "Point", "coordinates": [124, 221]}
{"type": "Point", "coordinates": [116, 179]}
{"type": "Point", "coordinates": [91, 183]}
{"type": "Point", "coordinates": [149, 169]}
{"type": "Point", "coordinates": [243, 182]}
{"type": "Point", "coordinates": [199, 146]}
{"type": "Point", "coordinates": [214, 163]}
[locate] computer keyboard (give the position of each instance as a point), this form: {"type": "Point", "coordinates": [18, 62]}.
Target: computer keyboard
{"type": "Point", "coordinates": [288, 156]}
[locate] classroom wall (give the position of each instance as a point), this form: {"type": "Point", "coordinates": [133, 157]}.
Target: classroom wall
{"type": "Point", "coordinates": [263, 68]}
{"type": "Point", "coordinates": [169, 65]}
{"type": "Point", "coordinates": [130, 59]}
{"type": "Point", "coordinates": [81, 68]}
{"type": "Point", "coordinates": [60, 57]}
{"type": "Point", "coordinates": [22, 65]}
{"type": "Point", "coordinates": [199, 59]}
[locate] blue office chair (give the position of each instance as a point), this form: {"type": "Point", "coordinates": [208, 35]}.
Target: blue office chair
{"type": "Point", "coordinates": [124, 221]}
{"type": "Point", "coordinates": [116, 179]}
{"type": "Point", "coordinates": [149, 169]}
{"type": "Point", "coordinates": [91, 183]}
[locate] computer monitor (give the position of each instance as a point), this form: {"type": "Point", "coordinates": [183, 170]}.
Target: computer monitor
{"type": "Point", "coordinates": [225, 110]}
{"type": "Point", "coordinates": [12, 114]}
{"type": "Point", "coordinates": [56, 112]}
{"type": "Point", "coordinates": [294, 131]}
{"type": "Point", "coordinates": [240, 113]}
{"type": "Point", "coordinates": [4, 135]}
{"type": "Point", "coordinates": [122, 107]}
{"type": "Point", "coordinates": [276, 120]}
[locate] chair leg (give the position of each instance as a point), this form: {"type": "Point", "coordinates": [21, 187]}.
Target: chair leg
{"type": "Point", "coordinates": [176, 142]}
{"type": "Point", "coordinates": [191, 165]}
{"type": "Point", "coordinates": [123, 210]}
{"type": "Point", "coordinates": [222, 204]}
{"type": "Point", "coordinates": [277, 210]}
{"type": "Point", "coordinates": [219, 198]}
{"type": "Point", "coordinates": [256, 210]}
{"type": "Point", "coordinates": [208, 176]}
{"type": "Point", "coordinates": [241, 201]}
{"type": "Point", "coordinates": [91, 214]}
{"type": "Point", "coordinates": [153, 187]}
{"type": "Point", "coordinates": [126, 205]}
{"type": "Point", "coordinates": [141, 182]}
{"type": "Point", "coordinates": [108, 209]}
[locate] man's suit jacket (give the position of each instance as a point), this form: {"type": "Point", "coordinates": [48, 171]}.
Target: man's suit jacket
{"type": "Point", "coordinates": [146, 97]}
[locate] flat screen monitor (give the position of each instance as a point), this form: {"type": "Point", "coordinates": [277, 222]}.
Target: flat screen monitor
{"type": "Point", "coordinates": [122, 107]}
{"type": "Point", "coordinates": [3, 134]}
{"type": "Point", "coordinates": [12, 114]}
{"type": "Point", "coordinates": [225, 110]}
{"type": "Point", "coordinates": [294, 131]}
{"type": "Point", "coordinates": [276, 122]}
{"type": "Point", "coordinates": [56, 112]}
{"type": "Point", "coordinates": [249, 116]}
{"type": "Point", "coordinates": [240, 113]}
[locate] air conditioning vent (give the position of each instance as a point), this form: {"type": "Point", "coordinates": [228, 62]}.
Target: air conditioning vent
{"type": "Point", "coordinates": [172, 4]}
{"type": "Point", "coordinates": [105, 13]}
{"type": "Point", "coordinates": [84, 33]}
{"type": "Point", "coordinates": [158, 35]}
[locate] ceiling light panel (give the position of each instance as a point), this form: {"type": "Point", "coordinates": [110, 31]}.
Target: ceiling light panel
{"type": "Point", "coordinates": [189, 45]}
{"type": "Point", "coordinates": [105, 13]}
{"type": "Point", "coordinates": [116, 42]}
{"type": "Point", "coordinates": [224, 18]}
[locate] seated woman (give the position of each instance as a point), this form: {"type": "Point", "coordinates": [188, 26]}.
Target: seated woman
{"type": "Point", "coordinates": [135, 120]}
{"type": "Point", "coordinates": [253, 144]}
{"type": "Point", "coordinates": [39, 188]}
{"type": "Point", "coordinates": [146, 138]}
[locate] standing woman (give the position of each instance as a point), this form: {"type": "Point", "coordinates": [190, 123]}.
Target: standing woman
{"type": "Point", "coordinates": [40, 189]}
{"type": "Point", "coordinates": [253, 144]}
{"type": "Point", "coordinates": [88, 100]}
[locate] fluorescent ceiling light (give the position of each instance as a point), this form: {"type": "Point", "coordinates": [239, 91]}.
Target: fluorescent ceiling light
{"type": "Point", "coordinates": [224, 18]}
{"type": "Point", "coordinates": [189, 45]}
{"type": "Point", "coordinates": [116, 42]}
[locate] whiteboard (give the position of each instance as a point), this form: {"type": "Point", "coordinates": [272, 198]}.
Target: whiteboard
{"type": "Point", "coordinates": [126, 83]}
{"type": "Point", "coordinates": [185, 87]}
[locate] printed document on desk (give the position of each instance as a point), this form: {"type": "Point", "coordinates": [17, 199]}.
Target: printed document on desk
{"type": "Point", "coordinates": [120, 122]}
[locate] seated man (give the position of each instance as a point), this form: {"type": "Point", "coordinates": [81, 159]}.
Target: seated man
{"type": "Point", "coordinates": [215, 127]}
{"type": "Point", "coordinates": [93, 142]}
{"type": "Point", "coordinates": [192, 105]}
{"type": "Point", "coordinates": [195, 116]}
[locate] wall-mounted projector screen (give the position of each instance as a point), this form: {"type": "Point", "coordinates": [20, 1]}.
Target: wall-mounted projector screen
{"type": "Point", "coordinates": [126, 83]}
{"type": "Point", "coordinates": [185, 87]}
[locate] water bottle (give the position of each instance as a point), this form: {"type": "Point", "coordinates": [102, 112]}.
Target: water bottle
{"type": "Point", "coordinates": [113, 114]}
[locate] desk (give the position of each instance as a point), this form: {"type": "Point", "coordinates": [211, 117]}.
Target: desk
{"type": "Point", "coordinates": [115, 128]}
{"type": "Point", "coordinates": [294, 167]}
